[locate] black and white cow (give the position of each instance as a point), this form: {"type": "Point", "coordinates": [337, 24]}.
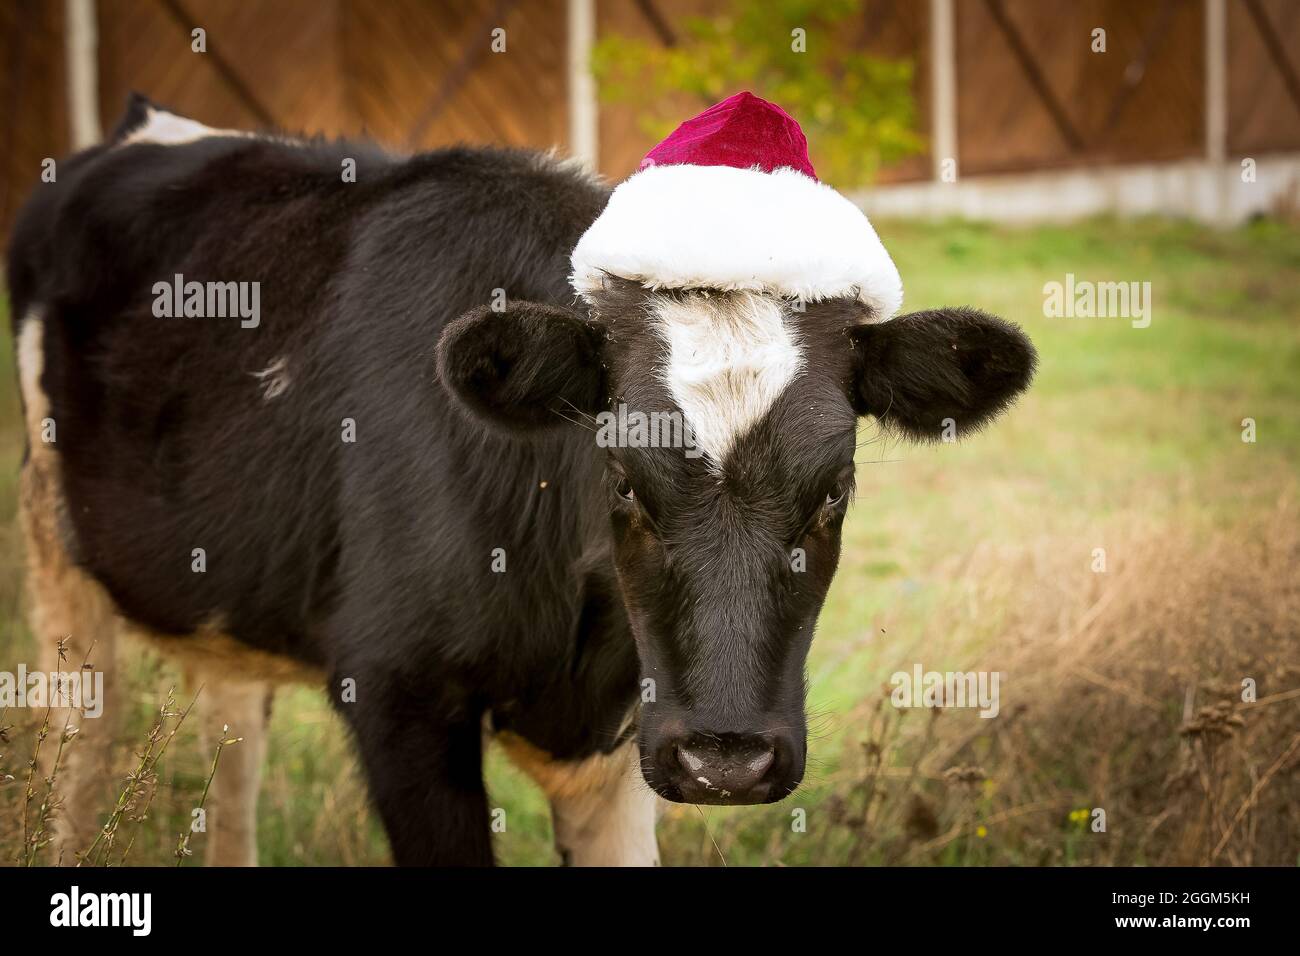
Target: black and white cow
{"type": "Point", "coordinates": [385, 478]}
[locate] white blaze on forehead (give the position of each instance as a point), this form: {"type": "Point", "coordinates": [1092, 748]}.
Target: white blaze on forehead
{"type": "Point", "coordinates": [728, 360]}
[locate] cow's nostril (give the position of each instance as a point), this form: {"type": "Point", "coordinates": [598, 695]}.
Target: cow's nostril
{"type": "Point", "coordinates": [690, 761]}
{"type": "Point", "coordinates": [760, 763]}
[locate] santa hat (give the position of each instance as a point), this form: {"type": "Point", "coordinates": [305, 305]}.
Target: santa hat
{"type": "Point", "coordinates": [730, 201]}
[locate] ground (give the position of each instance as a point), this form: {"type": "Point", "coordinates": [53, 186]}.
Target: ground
{"type": "Point", "coordinates": [1123, 735]}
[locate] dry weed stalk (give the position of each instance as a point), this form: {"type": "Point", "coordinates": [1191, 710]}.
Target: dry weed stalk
{"type": "Point", "coordinates": [183, 841]}
{"type": "Point", "coordinates": [36, 833]}
{"type": "Point", "coordinates": [141, 778]}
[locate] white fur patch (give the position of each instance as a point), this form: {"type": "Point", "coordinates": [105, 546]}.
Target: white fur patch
{"type": "Point", "coordinates": [729, 359]}
{"type": "Point", "coordinates": [274, 379]}
{"type": "Point", "coordinates": [717, 227]}
{"type": "Point", "coordinates": [168, 129]}
{"type": "Point", "coordinates": [613, 825]}
{"type": "Point", "coordinates": [604, 814]}
{"type": "Point", "coordinates": [31, 366]}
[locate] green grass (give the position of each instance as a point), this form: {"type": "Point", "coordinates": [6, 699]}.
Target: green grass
{"type": "Point", "coordinates": [1123, 428]}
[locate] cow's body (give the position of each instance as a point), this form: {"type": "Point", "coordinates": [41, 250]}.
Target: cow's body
{"type": "Point", "coordinates": [371, 561]}
{"type": "Point", "coordinates": [378, 472]}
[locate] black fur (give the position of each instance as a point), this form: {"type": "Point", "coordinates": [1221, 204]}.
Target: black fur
{"type": "Point", "coordinates": [526, 367]}
{"type": "Point", "coordinates": [954, 363]}
{"type": "Point", "coordinates": [370, 559]}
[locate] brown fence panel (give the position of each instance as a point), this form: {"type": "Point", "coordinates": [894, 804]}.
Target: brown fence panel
{"type": "Point", "coordinates": [34, 122]}
{"type": "Point", "coordinates": [424, 73]}
{"type": "Point", "coordinates": [285, 56]}
{"type": "Point", "coordinates": [347, 66]}
{"type": "Point", "coordinates": [1032, 94]}
{"type": "Point", "coordinates": [1263, 66]}
{"type": "Point", "coordinates": [419, 73]}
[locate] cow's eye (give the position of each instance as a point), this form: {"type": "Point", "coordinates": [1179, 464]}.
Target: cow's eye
{"type": "Point", "coordinates": [839, 491]}
{"type": "Point", "coordinates": [624, 489]}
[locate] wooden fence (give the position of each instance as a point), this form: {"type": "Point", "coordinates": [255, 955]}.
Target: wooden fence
{"type": "Point", "coordinates": [1030, 92]}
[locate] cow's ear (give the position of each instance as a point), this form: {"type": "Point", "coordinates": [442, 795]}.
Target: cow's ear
{"type": "Point", "coordinates": [529, 366]}
{"type": "Point", "coordinates": [946, 371]}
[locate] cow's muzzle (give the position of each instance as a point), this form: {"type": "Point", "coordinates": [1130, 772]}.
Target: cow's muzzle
{"type": "Point", "coordinates": [729, 769]}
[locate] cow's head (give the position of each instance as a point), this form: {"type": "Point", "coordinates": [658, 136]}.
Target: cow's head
{"type": "Point", "coordinates": [725, 543]}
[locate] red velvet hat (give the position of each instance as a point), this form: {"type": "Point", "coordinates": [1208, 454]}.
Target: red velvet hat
{"type": "Point", "coordinates": [730, 201]}
{"type": "Point", "coordinates": [742, 131]}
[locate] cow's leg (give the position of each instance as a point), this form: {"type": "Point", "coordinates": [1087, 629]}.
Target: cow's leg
{"type": "Point", "coordinates": [425, 772]}
{"type": "Point", "coordinates": [612, 821]}
{"type": "Point", "coordinates": [69, 612]}
{"type": "Point", "coordinates": [234, 709]}
{"type": "Point", "coordinates": [602, 811]}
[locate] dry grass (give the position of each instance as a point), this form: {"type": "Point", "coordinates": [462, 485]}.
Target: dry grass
{"type": "Point", "coordinates": [1127, 696]}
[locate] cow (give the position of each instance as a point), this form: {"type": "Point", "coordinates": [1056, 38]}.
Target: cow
{"type": "Point", "coordinates": [306, 410]}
